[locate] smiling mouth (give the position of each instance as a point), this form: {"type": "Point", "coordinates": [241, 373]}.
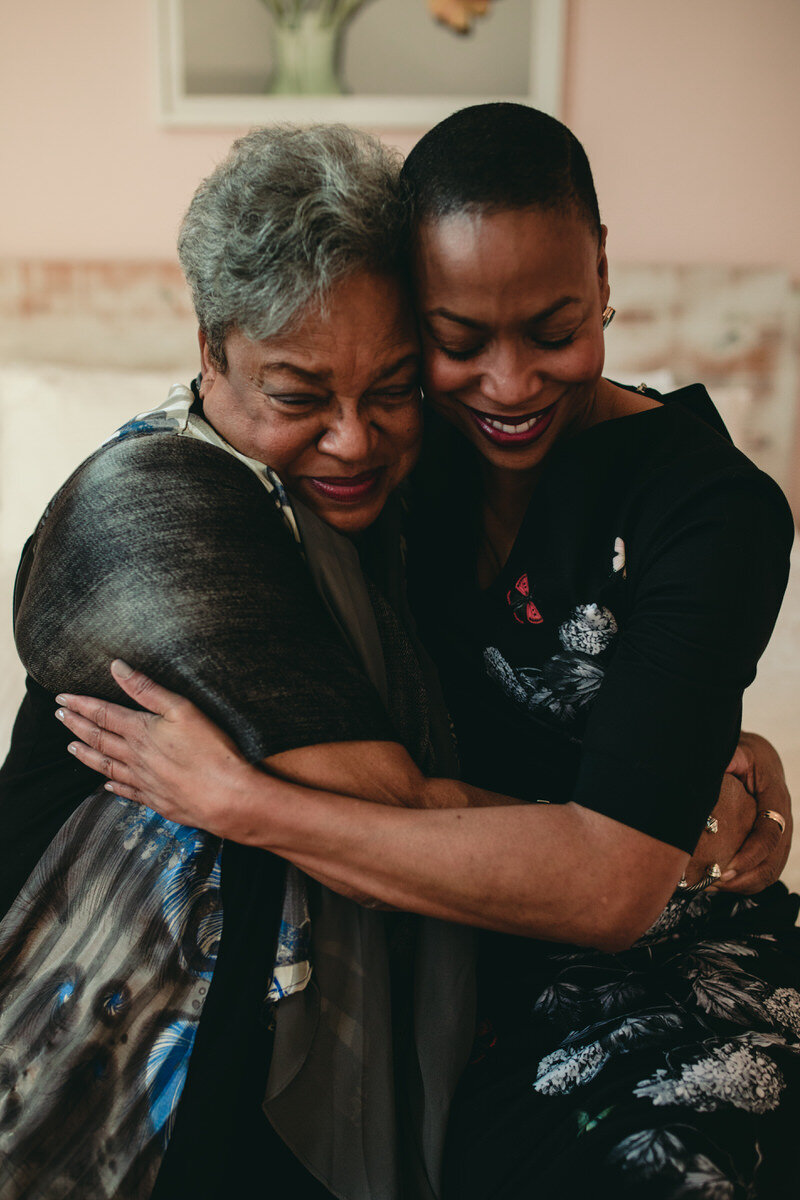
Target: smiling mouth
{"type": "Point", "coordinates": [513, 431]}
{"type": "Point", "coordinates": [347, 489]}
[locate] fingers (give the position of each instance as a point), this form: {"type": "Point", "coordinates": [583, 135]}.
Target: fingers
{"type": "Point", "coordinates": [96, 737]}
{"type": "Point", "coordinates": [741, 765]}
{"type": "Point", "coordinates": [103, 714]}
{"type": "Point", "coordinates": [759, 861]}
{"type": "Point", "coordinates": [126, 790]}
{"type": "Point", "coordinates": [142, 689]}
{"type": "Point", "coordinates": [104, 764]}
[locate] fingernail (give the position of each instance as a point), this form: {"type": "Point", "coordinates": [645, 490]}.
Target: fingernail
{"type": "Point", "coordinates": [59, 714]}
{"type": "Point", "coordinates": [121, 668]}
{"type": "Point", "coordinates": [61, 699]}
{"type": "Point", "coordinates": [727, 877]}
{"type": "Point", "coordinates": [109, 787]}
{"type": "Point", "coordinates": [73, 748]}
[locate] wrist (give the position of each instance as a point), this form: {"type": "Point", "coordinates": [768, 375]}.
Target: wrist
{"type": "Point", "coordinates": [245, 793]}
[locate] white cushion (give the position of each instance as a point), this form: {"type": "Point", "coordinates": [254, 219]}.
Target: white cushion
{"type": "Point", "coordinates": [51, 419]}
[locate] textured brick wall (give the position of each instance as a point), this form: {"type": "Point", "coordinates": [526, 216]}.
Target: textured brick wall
{"type": "Point", "coordinates": [737, 329]}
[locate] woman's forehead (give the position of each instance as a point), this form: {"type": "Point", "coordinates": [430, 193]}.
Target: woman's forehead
{"type": "Point", "coordinates": [516, 250]}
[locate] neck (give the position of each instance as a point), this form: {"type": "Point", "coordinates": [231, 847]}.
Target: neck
{"type": "Point", "coordinates": [506, 495]}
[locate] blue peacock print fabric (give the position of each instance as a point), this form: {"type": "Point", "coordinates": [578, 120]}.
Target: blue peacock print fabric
{"type": "Point", "coordinates": [105, 961]}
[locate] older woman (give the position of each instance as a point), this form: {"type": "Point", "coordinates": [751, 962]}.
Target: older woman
{"type": "Point", "coordinates": [210, 541]}
{"type": "Point", "coordinates": [575, 550]}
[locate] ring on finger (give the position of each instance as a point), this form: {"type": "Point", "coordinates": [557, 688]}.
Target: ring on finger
{"type": "Point", "coordinates": [712, 825]}
{"type": "Point", "coordinates": [771, 815]}
{"type": "Point", "coordinates": [713, 872]}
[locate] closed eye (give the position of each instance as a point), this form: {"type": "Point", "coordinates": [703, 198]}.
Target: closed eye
{"type": "Point", "coordinates": [461, 355]}
{"type": "Point", "coordinates": [296, 399]}
{"type": "Point", "coordinates": [404, 392]}
{"type": "Point", "coordinates": [556, 343]}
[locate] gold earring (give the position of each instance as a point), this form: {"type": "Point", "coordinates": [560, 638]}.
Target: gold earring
{"type": "Point", "coordinates": [608, 316]}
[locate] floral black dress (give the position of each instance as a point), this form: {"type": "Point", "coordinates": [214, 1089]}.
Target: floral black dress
{"type": "Point", "coordinates": [605, 665]}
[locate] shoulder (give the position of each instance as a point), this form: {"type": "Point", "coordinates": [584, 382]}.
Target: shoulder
{"type": "Point", "coordinates": [683, 466]}
{"type": "Point", "coordinates": [155, 512]}
{"type": "Point", "coordinates": [160, 454]}
{"type": "Point", "coordinates": [156, 478]}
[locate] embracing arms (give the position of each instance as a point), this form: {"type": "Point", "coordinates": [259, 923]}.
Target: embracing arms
{"type": "Point", "coordinates": [182, 613]}
{"type": "Point", "coordinates": [557, 872]}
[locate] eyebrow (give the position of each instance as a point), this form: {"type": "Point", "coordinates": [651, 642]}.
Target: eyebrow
{"type": "Point", "coordinates": [322, 376]}
{"type": "Point", "coordinates": [470, 324]}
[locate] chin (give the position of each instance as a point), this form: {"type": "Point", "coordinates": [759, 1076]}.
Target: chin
{"type": "Point", "coordinates": [348, 520]}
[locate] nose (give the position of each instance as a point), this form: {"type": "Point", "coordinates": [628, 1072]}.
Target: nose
{"type": "Point", "coordinates": [511, 374]}
{"type": "Point", "coordinates": [348, 435]}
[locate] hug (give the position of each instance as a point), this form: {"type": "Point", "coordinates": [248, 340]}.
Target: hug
{"type": "Point", "coordinates": [401, 884]}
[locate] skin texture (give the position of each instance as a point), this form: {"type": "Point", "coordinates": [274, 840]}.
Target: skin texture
{"type": "Point", "coordinates": [518, 299]}
{"type": "Point", "coordinates": [333, 403]}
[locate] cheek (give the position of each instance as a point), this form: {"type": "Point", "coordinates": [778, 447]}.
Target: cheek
{"type": "Point", "coordinates": [404, 437]}
{"type": "Point", "coordinates": [443, 374]}
{"type": "Point", "coordinates": [583, 362]}
{"type": "Point", "coordinates": [285, 448]}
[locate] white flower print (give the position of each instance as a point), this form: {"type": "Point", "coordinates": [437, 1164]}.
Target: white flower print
{"type": "Point", "coordinates": [589, 628]}
{"type": "Point", "coordinates": [618, 561]}
{"type": "Point", "coordinates": [571, 1065]}
{"type": "Point", "coordinates": [783, 1007]}
{"type": "Point", "coordinates": [564, 1070]}
{"type": "Point", "coordinates": [730, 1074]}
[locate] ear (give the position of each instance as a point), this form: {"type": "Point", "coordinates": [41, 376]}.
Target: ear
{"type": "Point", "coordinates": [602, 268]}
{"type": "Point", "coordinates": [207, 367]}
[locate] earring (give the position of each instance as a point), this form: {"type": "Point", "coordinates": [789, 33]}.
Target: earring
{"type": "Point", "coordinates": [608, 316]}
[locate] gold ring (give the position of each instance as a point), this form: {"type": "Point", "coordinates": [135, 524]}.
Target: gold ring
{"type": "Point", "coordinates": [773, 816]}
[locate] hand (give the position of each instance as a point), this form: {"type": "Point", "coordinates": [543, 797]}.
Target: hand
{"type": "Point", "coordinates": [762, 857]}
{"type": "Point", "coordinates": [735, 813]}
{"type": "Point", "coordinates": [171, 757]}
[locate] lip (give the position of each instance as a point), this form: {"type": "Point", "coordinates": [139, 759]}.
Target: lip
{"type": "Point", "coordinates": [347, 489]}
{"type": "Point", "coordinates": [534, 425]}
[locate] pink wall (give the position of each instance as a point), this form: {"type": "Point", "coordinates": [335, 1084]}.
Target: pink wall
{"type": "Point", "coordinates": [689, 110]}
{"type": "Point", "coordinates": [690, 113]}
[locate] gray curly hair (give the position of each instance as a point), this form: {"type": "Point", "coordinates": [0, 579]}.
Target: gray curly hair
{"type": "Point", "coordinates": [288, 213]}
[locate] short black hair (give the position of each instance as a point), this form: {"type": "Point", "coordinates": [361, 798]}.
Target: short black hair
{"type": "Point", "coordinates": [500, 156]}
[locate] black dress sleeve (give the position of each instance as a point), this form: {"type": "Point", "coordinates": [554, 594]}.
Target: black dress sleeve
{"type": "Point", "coordinates": [167, 552]}
{"type": "Point", "coordinates": [707, 574]}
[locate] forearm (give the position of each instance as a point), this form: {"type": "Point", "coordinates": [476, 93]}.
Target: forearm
{"type": "Point", "coordinates": [555, 872]}
{"type": "Point", "coordinates": [561, 872]}
{"type": "Point", "coordinates": [381, 772]}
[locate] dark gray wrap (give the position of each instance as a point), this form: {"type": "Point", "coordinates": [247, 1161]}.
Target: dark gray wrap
{"type": "Point", "coordinates": [165, 551]}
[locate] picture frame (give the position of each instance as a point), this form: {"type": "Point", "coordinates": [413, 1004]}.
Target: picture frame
{"type": "Point", "coordinates": [182, 103]}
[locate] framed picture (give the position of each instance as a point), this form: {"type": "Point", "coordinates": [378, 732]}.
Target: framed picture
{"type": "Point", "coordinates": [380, 64]}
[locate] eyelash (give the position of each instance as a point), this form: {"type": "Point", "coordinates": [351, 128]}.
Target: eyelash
{"type": "Point", "coordinates": [398, 393]}
{"type": "Point", "coordinates": [304, 401]}
{"type": "Point", "coordinates": [464, 355]}
{"type": "Point", "coordinates": [293, 401]}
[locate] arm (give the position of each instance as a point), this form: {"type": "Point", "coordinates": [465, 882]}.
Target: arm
{"type": "Point", "coordinates": [494, 867]}
{"type": "Point", "coordinates": [481, 859]}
